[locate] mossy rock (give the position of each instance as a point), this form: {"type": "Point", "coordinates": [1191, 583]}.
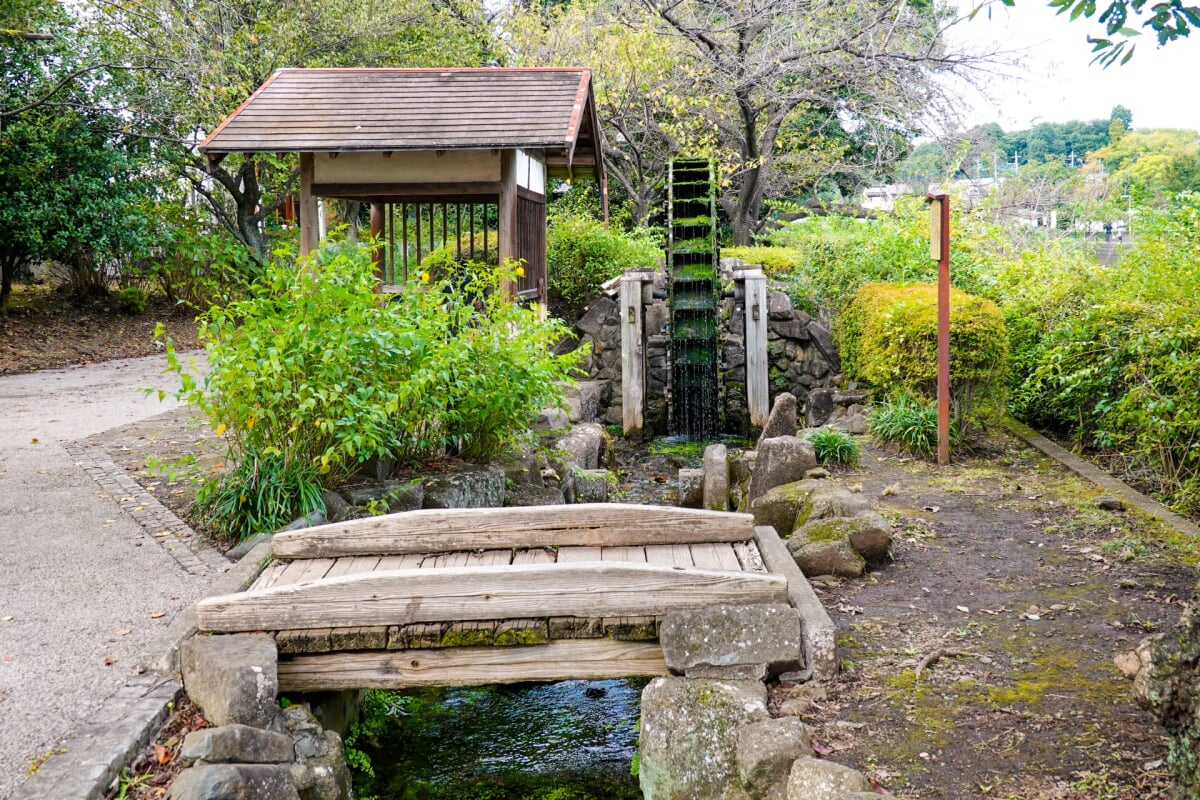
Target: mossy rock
{"type": "Point", "coordinates": [867, 534]}
{"type": "Point", "coordinates": [834, 557]}
{"type": "Point", "coordinates": [779, 506]}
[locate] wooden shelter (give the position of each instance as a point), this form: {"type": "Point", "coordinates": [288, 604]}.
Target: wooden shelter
{"type": "Point", "coordinates": [442, 155]}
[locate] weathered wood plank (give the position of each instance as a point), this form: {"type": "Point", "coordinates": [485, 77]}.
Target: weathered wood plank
{"type": "Point", "coordinates": [589, 659]}
{"type": "Point", "coordinates": [711, 555]}
{"type": "Point", "coordinates": [577, 555]}
{"type": "Point", "coordinates": [576, 628]}
{"type": "Point", "coordinates": [624, 553]}
{"type": "Point", "coordinates": [749, 557]}
{"type": "Point", "coordinates": [757, 397]}
{"type": "Point", "coordinates": [362, 637]}
{"type": "Point", "coordinates": [269, 576]}
{"type": "Point", "coordinates": [400, 597]}
{"type": "Point", "coordinates": [469, 634]}
{"type": "Point", "coordinates": [309, 640]}
{"type": "Point", "coordinates": [490, 558]}
{"type": "Point", "coordinates": [677, 555]}
{"type": "Point", "coordinates": [423, 635]}
{"type": "Point", "coordinates": [538, 555]}
{"type": "Point", "coordinates": [633, 355]}
{"type": "Point", "coordinates": [443, 530]}
{"type": "Point", "coordinates": [631, 629]}
{"type": "Point", "coordinates": [511, 632]}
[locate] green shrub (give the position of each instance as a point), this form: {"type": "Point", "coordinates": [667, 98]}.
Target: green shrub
{"type": "Point", "coordinates": [836, 255]}
{"type": "Point", "coordinates": [775, 261]}
{"type": "Point", "coordinates": [909, 425]}
{"type": "Point", "coordinates": [833, 446]}
{"type": "Point", "coordinates": [888, 338]}
{"type": "Point", "coordinates": [313, 374]}
{"type": "Point", "coordinates": [1112, 357]}
{"type": "Point", "coordinates": [446, 264]}
{"type": "Point", "coordinates": [581, 255]}
{"type": "Point", "coordinates": [132, 299]}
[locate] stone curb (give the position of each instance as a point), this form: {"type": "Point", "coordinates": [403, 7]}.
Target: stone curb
{"type": "Point", "coordinates": [92, 759]}
{"type": "Point", "coordinates": [128, 720]}
{"type": "Point", "coordinates": [816, 626]}
{"type": "Point", "coordinates": [157, 521]}
{"type": "Point", "coordinates": [1102, 479]}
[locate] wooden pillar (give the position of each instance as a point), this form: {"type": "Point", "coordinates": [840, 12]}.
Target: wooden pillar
{"type": "Point", "coordinates": [310, 222]}
{"type": "Point", "coordinates": [379, 254]}
{"type": "Point", "coordinates": [507, 213]}
{"type": "Point", "coordinates": [757, 398]}
{"type": "Point", "coordinates": [633, 354]}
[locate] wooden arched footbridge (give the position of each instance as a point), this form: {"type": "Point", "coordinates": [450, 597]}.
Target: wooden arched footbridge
{"type": "Point", "coordinates": [471, 596]}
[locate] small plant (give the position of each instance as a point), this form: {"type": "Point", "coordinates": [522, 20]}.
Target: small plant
{"type": "Point", "coordinates": [132, 299]}
{"type": "Point", "coordinates": [908, 424]}
{"type": "Point", "coordinates": [128, 781]}
{"type": "Point", "coordinates": [833, 446]}
{"type": "Point", "coordinates": [263, 492]}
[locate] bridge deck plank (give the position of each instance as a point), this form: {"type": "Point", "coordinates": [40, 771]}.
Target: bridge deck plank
{"type": "Point", "coordinates": [677, 555]}
{"type": "Point", "coordinates": [714, 555]}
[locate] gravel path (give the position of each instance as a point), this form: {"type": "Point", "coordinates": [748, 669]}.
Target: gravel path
{"type": "Point", "coordinates": [83, 587]}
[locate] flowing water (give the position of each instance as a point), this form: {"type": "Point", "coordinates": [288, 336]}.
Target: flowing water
{"type": "Point", "coordinates": [572, 740]}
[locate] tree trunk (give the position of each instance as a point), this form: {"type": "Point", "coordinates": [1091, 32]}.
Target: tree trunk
{"type": "Point", "coordinates": [8, 270]}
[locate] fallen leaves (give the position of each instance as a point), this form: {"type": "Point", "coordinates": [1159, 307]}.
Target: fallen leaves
{"type": "Point", "coordinates": [157, 614]}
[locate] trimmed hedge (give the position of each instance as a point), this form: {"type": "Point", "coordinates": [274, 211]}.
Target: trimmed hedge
{"type": "Point", "coordinates": [888, 338]}
{"type": "Point", "coordinates": [775, 261]}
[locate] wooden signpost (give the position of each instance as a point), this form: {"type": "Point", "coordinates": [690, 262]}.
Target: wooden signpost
{"type": "Point", "coordinates": [939, 250]}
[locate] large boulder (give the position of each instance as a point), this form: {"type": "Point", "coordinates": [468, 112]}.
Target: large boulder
{"type": "Point", "coordinates": [526, 495]}
{"type": "Point", "coordinates": [868, 534]}
{"type": "Point", "coordinates": [581, 446]}
{"type": "Point", "coordinates": [472, 486]}
{"type": "Point", "coordinates": [829, 501]}
{"type": "Point", "coordinates": [233, 678]}
{"type": "Point", "coordinates": [765, 753]}
{"type": "Point", "coordinates": [817, 779]}
{"type": "Point", "coordinates": [689, 738]}
{"type": "Point", "coordinates": [833, 557]}
{"type": "Point", "coordinates": [782, 419]}
{"type": "Point", "coordinates": [234, 782]}
{"type": "Point", "coordinates": [731, 637]}
{"type": "Point", "coordinates": [781, 459]}
{"type": "Point", "coordinates": [780, 506]}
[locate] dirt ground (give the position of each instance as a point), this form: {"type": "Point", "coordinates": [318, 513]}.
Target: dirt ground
{"type": "Point", "coordinates": [1015, 592]}
{"type": "Point", "coordinates": [44, 329]}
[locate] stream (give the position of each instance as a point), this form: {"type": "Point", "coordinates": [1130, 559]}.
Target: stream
{"type": "Point", "coordinates": [572, 740]}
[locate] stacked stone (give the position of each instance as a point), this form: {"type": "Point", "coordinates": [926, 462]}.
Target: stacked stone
{"type": "Point", "coordinates": [706, 734]}
{"type": "Point", "coordinates": [256, 749]}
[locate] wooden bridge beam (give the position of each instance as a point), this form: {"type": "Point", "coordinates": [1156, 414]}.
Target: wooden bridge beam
{"type": "Point", "coordinates": [407, 596]}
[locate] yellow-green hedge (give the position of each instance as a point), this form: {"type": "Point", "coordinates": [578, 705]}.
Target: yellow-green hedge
{"type": "Point", "coordinates": [775, 261]}
{"type": "Point", "coordinates": [888, 338]}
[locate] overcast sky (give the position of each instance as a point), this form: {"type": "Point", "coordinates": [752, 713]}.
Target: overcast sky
{"type": "Point", "coordinates": [1057, 83]}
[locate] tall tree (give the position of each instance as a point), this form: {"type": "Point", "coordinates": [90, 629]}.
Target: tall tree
{"type": "Point", "coordinates": [644, 86]}
{"type": "Point", "coordinates": [70, 180]}
{"type": "Point", "coordinates": [867, 63]}
{"type": "Point", "coordinates": [197, 60]}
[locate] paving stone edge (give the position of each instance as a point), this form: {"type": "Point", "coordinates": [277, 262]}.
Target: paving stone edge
{"type": "Point", "coordinates": [1115, 486]}
{"type": "Point", "coordinates": [86, 765]}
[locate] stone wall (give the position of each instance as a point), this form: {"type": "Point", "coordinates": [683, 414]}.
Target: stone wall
{"type": "Point", "coordinates": [801, 352]}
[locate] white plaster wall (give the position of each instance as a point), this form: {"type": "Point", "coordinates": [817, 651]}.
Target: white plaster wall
{"type": "Point", "coordinates": [453, 166]}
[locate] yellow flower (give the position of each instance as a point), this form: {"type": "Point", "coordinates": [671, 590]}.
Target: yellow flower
{"type": "Point", "coordinates": [520, 272]}
{"type": "Point", "coordinates": [425, 277]}
{"type": "Point", "coordinates": [221, 429]}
